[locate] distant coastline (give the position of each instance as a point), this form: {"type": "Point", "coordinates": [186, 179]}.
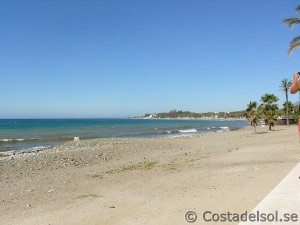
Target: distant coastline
{"type": "Point", "coordinates": [189, 118]}
{"type": "Point", "coordinates": [187, 115]}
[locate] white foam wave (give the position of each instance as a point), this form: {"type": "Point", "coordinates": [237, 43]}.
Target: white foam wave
{"type": "Point", "coordinates": [6, 140]}
{"type": "Point", "coordinates": [188, 131]}
{"type": "Point", "coordinates": [224, 129]}
{"type": "Point", "coordinates": [11, 140]}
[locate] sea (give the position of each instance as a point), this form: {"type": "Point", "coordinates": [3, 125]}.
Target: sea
{"type": "Point", "coordinates": [36, 134]}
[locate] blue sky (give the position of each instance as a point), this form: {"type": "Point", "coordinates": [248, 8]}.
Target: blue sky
{"type": "Point", "coordinates": [125, 58]}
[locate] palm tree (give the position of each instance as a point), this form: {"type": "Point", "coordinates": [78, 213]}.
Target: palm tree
{"type": "Point", "coordinates": [285, 87]}
{"type": "Point", "coordinates": [289, 106]}
{"type": "Point", "coordinates": [270, 109]}
{"type": "Point", "coordinates": [291, 22]}
{"type": "Point", "coordinates": [253, 114]}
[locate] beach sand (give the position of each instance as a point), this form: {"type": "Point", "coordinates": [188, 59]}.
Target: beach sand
{"type": "Point", "coordinates": [145, 181]}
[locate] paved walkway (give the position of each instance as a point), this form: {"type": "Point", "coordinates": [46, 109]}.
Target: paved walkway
{"type": "Point", "coordinates": [284, 198]}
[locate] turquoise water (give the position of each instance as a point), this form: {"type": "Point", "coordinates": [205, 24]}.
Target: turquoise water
{"type": "Point", "coordinates": [20, 134]}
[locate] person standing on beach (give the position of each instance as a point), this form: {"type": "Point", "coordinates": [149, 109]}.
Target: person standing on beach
{"type": "Point", "coordinates": [295, 87]}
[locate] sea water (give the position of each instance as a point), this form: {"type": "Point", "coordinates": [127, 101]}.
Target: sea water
{"type": "Point", "coordinates": [27, 134]}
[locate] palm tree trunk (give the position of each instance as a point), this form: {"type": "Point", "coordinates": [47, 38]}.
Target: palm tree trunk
{"type": "Point", "coordinates": [287, 109]}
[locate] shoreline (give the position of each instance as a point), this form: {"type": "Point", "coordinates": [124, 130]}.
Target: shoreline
{"type": "Point", "coordinates": [19, 145]}
{"type": "Point", "coordinates": [149, 181]}
{"type": "Point", "coordinates": [163, 136]}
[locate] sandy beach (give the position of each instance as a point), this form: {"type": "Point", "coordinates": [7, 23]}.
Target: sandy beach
{"type": "Point", "coordinates": [145, 181]}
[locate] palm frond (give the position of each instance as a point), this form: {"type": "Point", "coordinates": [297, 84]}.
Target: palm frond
{"type": "Point", "coordinates": [298, 9]}
{"type": "Point", "coordinates": [295, 40]}
{"type": "Point", "coordinates": [291, 22]}
{"type": "Point", "coordinates": [285, 85]}
{"type": "Point", "coordinates": [295, 44]}
{"type": "Point", "coordinates": [293, 47]}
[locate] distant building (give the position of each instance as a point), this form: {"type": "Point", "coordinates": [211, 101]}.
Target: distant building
{"type": "Point", "coordinates": [282, 120]}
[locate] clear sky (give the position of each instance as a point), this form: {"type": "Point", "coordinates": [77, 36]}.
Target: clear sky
{"type": "Point", "coordinates": [116, 58]}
